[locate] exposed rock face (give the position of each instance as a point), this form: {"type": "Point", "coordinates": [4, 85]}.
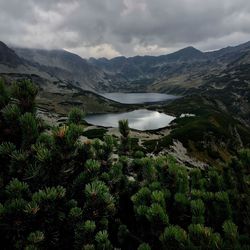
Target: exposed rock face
{"type": "Point", "coordinates": [176, 73]}
{"type": "Point", "coordinates": [65, 66]}
{"type": "Point", "coordinates": [179, 72]}
{"type": "Point", "coordinates": [8, 56]}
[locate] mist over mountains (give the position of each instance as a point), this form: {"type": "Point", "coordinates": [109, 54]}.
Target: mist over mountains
{"type": "Point", "coordinates": [177, 72]}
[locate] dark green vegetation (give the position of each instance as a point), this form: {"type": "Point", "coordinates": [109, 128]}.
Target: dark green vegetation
{"type": "Point", "coordinates": [218, 129]}
{"type": "Point", "coordinates": [95, 133]}
{"type": "Point", "coordinates": [58, 192]}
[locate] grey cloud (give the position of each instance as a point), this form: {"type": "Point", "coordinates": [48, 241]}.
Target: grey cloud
{"type": "Point", "coordinates": [124, 27]}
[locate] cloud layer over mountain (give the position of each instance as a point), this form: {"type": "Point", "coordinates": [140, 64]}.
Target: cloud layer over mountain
{"type": "Point", "coordinates": [124, 27]}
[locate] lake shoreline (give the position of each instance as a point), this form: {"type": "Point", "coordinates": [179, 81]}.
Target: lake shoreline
{"type": "Point", "coordinates": [140, 119]}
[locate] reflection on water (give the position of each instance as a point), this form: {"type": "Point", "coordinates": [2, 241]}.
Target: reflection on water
{"type": "Point", "coordinates": [141, 119]}
{"type": "Point", "coordinates": [136, 98]}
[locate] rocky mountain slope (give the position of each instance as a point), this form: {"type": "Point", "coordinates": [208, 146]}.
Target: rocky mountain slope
{"type": "Point", "coordinates": [58, 89]}
{"type": "Point", "coordinates": [66, 66]}
{"type": "Point", "coordinates": [177, 72]}
{"type": "Point", "coordinates": [8, 57]}
{"type": "Point", "coordinates": [12, 64]}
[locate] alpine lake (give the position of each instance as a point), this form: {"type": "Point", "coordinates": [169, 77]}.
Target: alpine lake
{"type": "Point", "coordinates": [139, 119]}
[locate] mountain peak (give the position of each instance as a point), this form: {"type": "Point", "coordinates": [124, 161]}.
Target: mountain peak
{"type": "Point", "coordinates": [189, 50]}
{"type": "Point", "coordinates": [186, 54]}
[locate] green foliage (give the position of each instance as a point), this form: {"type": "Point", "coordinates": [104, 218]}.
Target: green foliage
{"type": "Point", "coordinates": [196, 182]}
{"type": "Point", "coordinates": [124, 128]}
{"type": "Point", "coordinates": [76, 116]}
{"type": "Point", "coordinates": [4, 94]}
{"type": "Point", "coordinates": [17, 189]}
{"type": "Point", "coordinates": [144, 246]}
{"type": "Point", "coordinates": [11, 113]}
{"type": "Point", "coordinates": [36, 237]}
{"type": "Point", "coordinates": [43, 154]}
{"type": "Point", "coordinates": [89, 226]}
{"type": "Point", "coordinates": [125, 139]}
{"type": "Point", "coordinates": [29, 127]}
{"type": "Point", "coordinates": [102, 240]}
{"type": "Point", "coordinates": [89, 247]}
{"type": "Point", "coordinates": [174, 237]}
{"type": "Point", "coordinates": [231, 233]}
{"type": "Point", "coordinates": [25, 92]}
{"type": "Point", "coordinates": [139, 154]}
{"type": "Point", "coordinates": [75, 213]}
{"type": "Point", "coordinates": [244, 156]}
{"type": "Point", "coordinates": [72, 134]}
{"type": "Point", "coordinates": [148, 170]}
{"type": "Point", "coordinates": [49, 194]}
{"type": "Point", "coordinates": [215, 181]}
{"type": "Point", "coordinates": [59, 192]}
{"type": "Point", "coordinates": [198, 211]}
{"type": "Point", "coordinates": [156, 214]}
{"type": "Point", "coordinates": [97, 133]}
{"type": "Point", "coordinates": [6, 148]}
{"type": "Point", "coordinates": [99, 201]}
{"type": "Point", "coordinates": [158, 197]}
{"type": "Point", "coordinates": [45, 139]}
{"type": "Point", "coordinates": [203, 237]}
{"type": "Point", "coordinates": [142, 197]}
{"type": "Point", "coordinates": [92, 168]}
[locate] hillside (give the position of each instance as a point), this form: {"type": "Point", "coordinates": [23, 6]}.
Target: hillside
{"type": "Point", "coordinates": [176, 73]}
{"type": "Point", "coordinates": [60, 190]}
{"type": "Point", "coordinates": [172, 73]}
{"type": "Point", "coordinates": [63, 79]}
{"type": "Point", "coordinates": [65, 66]}
{"type": "Point", "coordinates": [8, 56]}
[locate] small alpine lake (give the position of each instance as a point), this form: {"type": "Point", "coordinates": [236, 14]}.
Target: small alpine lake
{"type": "Point", "coordinates": [140, 119]}
{"type": "Point", "coordinates": [137, 98]}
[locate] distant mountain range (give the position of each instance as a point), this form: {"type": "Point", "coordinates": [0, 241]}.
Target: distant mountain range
{"type": "Point", "coordinates": [174, 72]}
{"type": "Point", "coordinates": [178, 72]}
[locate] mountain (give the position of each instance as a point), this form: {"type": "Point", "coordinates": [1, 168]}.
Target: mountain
{"type": "Point", "coordinates": [184, 55]}
{"type": "Point", "coordinates": [179, 73]}
{"type": "Point", "coordinates": [63, 79]}
{"type": "Point", "coordinates": [138, 67]}
{"type": "Point", "coordinates": [8, 57]}
{"type": "Point", "coordinates": [173, 73]}
{"type": "Point", "coordinates": [229, 53]}
{"type": "Point", "coordinates": [65, 66]}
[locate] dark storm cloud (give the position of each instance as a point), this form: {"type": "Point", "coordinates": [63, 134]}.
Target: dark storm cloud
{"type": "Point", "coordinates": [129, 27]}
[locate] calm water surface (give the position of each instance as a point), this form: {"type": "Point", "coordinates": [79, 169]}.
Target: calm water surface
{"type": "Point", "coordinates": [136, 98]}
{"type": "Point", "coordinates": [141, 119]}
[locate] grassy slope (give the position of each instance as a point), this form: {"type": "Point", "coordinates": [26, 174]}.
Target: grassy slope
{"type": "Point", "coordinates": [210, 136]}
{"type": "Point", "coordinates": [91, 103]}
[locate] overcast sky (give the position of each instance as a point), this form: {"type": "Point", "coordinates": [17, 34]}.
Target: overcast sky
{"type": "Point", "coordinates": [124, 27]}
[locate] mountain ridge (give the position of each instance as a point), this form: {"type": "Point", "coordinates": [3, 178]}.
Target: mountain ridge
{"type": "Point", "coordinates": [176, 73]}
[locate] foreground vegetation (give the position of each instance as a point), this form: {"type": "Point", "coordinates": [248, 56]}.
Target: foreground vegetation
{"type": "Point", "coordinates": [59, 192]}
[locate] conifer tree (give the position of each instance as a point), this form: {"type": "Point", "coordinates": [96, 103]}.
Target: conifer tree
{"type": "Point", "coordinates": [125, 139]}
